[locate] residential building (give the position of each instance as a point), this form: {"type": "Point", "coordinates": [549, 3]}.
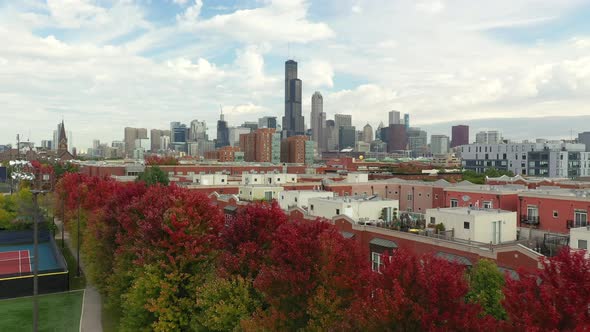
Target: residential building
{"type": "Point", "coordinates": [300, 198]}
{"type": "Point", "coordinates": [227, 153]}
{"type": "Point", "coordinates": [579, 238]}
{"type": "Point", "coordinates": [293, 149]}
{"type": "Point", "coordinates": [367, 133]}
{"type": "Point", "coordinates": [488, 137]}
{"type": "Point", "coordinates": [271, 178]}
{"type": "Point", "coordinates": [547, 159]}
{"type": "Point", "coordinates": [479, 225]}
{"type": "Point", "coordinates": [210, 179]}
{"type": "Point", "coordinates": [131, 134]}
{"type": "Point", "coordinates": [255, 192]}
{"type": "Point", "coordinates": [394, 117]}
{"type": "Point", "coordinates": [460, 135]}
{"type": "Point", "coordinates": [293, 121]}
{"type": "Point", "coordinates": [359, 209]}
{"type": "Point", "coordinates": [439, 144]}
{"type": "Point", "coordinates": [258, 145]}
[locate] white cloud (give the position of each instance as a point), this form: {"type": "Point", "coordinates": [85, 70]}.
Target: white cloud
{"type": "Point", "coordinates": [190, 17]}
{"type": "Point", "coordinates": [318, 73]}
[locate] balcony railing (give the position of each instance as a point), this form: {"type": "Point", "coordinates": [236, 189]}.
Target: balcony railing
{"type": "Point", "coordinates": [530, 220]}
{"type": "Point", "coordinates": [577, 223]}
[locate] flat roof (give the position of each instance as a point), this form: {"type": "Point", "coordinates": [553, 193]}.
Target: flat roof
{"type": "Point", "coordinates": [469, 210]}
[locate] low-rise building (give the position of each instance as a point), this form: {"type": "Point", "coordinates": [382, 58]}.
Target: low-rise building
{"type": "Point", "coordinates": [257, 192]}
{"type": "Point", "coordinates": [480, 225]}
{"type": "Point", "coordinates": [357, 178]}
{"type": "Point", "coordinates": [210, 179]}
{"type": "Point", "coordinates": [300, 198]}
{"type": "Point", "coordinates": [268, 178]}
{"type": "Point", "coordinates": [579, 238]}
{"type": "Point", "coordinates": [360, 208]}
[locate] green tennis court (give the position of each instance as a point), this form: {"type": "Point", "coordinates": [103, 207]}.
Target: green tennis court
{"type": "Point", "coordinates": [57, 312]}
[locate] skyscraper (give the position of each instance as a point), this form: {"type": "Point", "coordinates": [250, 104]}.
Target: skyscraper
{"type": "Point", "coordinates": [439, 144]}
{"type": "Point", "coordinates": [267, 122]}
{"type": "Point", "coordinates": [378, 131]}
{"type": "Point", "coordinates": [293, 121]}
{"type": "Point", "coordinates": [417, 141]}
{"type": "Point", "coordinates": [317, 118]}
{"type": "Point", "coordinates": [222, 132]}
{"type": "Point", "coordinates": [460, 135]}
{"type": "Point", "coordinates": [156, 139]}
{"type": "Point", "coordinates": [394, 117]}
{"type": "Point", "coordinates": [331, 136]}
{"type": "Point", "coordinates": [131, 134]}
{"type": "Point", "coordinates": [584, 138]}
{"type": "Point", "coordinates": [198, 131]}
{"type": "Point", "coordinates": [367, 133]}
{"type": "Point", "coordinates": [407, 121]}
{"type": "Point", "coordinates": [397, 139]}
{"type": "Point", "coordinates": [346, 137]}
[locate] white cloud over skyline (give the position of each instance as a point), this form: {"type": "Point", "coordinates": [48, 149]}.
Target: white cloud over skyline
{"type": "Point", "coordinates": [110, 64]}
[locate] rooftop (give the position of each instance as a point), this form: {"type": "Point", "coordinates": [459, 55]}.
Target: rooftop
{"type": "Point", "coordinates": [470, 210]}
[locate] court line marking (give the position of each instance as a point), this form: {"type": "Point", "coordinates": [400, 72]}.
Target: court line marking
{"type": "Point", "coordinates": [19, 263]}
{"type": "Point", "coordinates": [31, 276]}
{"type": "Point", "coordinates": [82, 311]}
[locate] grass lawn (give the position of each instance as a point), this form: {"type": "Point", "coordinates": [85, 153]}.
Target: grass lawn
{"type": "Point", "coordinates": [57, 312]}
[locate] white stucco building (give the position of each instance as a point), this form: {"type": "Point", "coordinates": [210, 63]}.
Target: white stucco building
{"type": "Point", "coordinates": [268, 178]}
{"type": "Point", "coordinates": [300, 198]}
{"type": "Point", "coordinates": [480, 225]}
{"type": "Point", "coordinates": [358, 208]}
{"type": "Point", "coordinates": [256, 192]}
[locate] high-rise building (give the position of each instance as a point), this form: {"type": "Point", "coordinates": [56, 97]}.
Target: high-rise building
{"type": "Point", "coordinates": [317, 119]}
{"type": "Point", "coordinates": [341, 120]}
{"type": "Point", "coordinates": [584, 138]}
{"type": "Point", "coordinates": [459, 135]}
{"type": "Point", "coordinates": [293, 149]}
{"type": "Point", "coordinates": [235, 133]}
{"type": "Point", "coordinates": [164, 142]}
{"type": "Point", "coordinates": [397, 139]}
{"type": "Point", "coordinates": [155, 139]}
{"type": "Point", "coordinates": [331, 136]}
{"type": "Point", "coordinates": [346, 137]}
{"type": "Point", "coordinates": [131, 134]}
{"type": "Point", "coordinates": [378, 131]}
{"type": "Point", "coordinates": [252, 125]}
{"type": "Point", "coordinates": [46, 144]}
{"type": "Point", "coordinates": [407, 120]}
{"type": "Point", "coordinates": [198, 131]}
{"type": "Point", "coordinates": [488, 137]}
{"type": "Point", "coordinates": [394, 117]}
{"type": "Point", "coordinates": [178, 136]}
{"type": "Point", "coordinates": [439, 144]}
{"type": "Point", "coordinates": [267, 122]}
{"type": "Point", "coordinates": [417, 141]}
{"type": "Point", "coordinates": [222, 132]}
{"type": "Point", "coordinates": [293, 121]}
{"type": "Point", "coordinates": [367, 133]}
{"type": "Point", "coordinates": [258, 145]}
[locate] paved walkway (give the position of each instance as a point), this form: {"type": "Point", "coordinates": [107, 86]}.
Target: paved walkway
{"type": "Point", "coordinates": [92, 306]}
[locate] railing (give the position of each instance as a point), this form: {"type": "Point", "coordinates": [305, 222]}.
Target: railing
{"type": "Point", "coordinates": [578, 223]}
{"type": "Point", "coordinates": [530, 220]}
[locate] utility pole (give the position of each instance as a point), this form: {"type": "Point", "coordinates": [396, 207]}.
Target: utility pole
{"type": "Point", "coordinates": [63, 221]}
{"type": "Point", "coordinates": [35, 260]}
{"type": "Point", "coordinates": [78, 231]}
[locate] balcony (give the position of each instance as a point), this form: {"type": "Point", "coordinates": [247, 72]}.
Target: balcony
{"type": "Point", "coordinates": [577, 223]}
{"type": "Point", "coordinates": [530, 220]}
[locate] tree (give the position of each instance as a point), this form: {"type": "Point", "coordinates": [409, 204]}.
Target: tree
{"type": "Point", "coordinates": [416, 294]}
{"type": "Point", "coordinates": [153, 175]}
{"type": "Point", "coordinates": [223, 303]}
{"type": "Point", "coordinates": [556, 298]}
{"type": "Point", "coordinates": [485, 288]}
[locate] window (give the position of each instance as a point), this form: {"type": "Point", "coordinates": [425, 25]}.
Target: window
{"type": "Point", "coordinates": [376, 262]}
{"type": "Point", "coordinates": [222, 180]}
{"type": "Point", "coordinates": [466, 224]}
{"type": "Point", "coordinates": [580, 218]}
{"type": "Point", "coordinates": [435, 196]}
{"type": "Point", "coordinates": [311, 207]}
{"type": "Point", "coordinates": [582, 244]}
{"type": "Point", "coordinates": [454, 203]}
{"type": "Point", "coordinates": [409, 197]}
{"type": "Point", "coordinates": [433, 220]}
{"type": "Point", "coordinates": [337, 212]}
{"type": "Point", "coordinates": [555, 214]}
{"type": "Point", "coordinates": [487, 205]}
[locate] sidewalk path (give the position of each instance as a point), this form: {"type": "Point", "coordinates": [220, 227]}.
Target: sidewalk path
{"type": "Point", "coordinates": [92, 306]}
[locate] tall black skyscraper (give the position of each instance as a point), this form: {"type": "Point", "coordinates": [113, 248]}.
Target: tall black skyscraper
{"type": "Point", "coordinates": [222, 132]}
{"type": "Point", "coordinates": [293, 120]}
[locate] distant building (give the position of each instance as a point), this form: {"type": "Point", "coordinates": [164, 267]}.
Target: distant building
{"type": "Point", "coordinates": [156, 139]}
{"type": "Point", "coordinates": [378, 131]}
{"type": "Point", "coordinates": [47, 144]}
{"type": "Point", "coordinates": [261, 145]}
{"type": "Point", "coordinates": [267, 122]}
{"type": "Point", "coordinates": [300, 198]}
{"type": "Point", "coordinates": [222, 132]}
{"type": "Point", "coordinates": [346, 137]}
{"type": "Point", "coordinates": [460, 135]}
{"type": "Point", "coordinates": [318, 118]}
{"type": "Point", "coordinates": [367, 133]}
{"type": "Point", "coordinates": [293, 149]}
{"type": "Point", "coordinates": [407, 120]}
{"type": "Point", "coordinates": [198, 131]}
{"type": "Point", "coordinates": [227, 153]}
{"type": "Point", "coordinates": [439, 144]}
{"type": "Point", "coordinates": [235, 133]}
{"type": "Point", "coordinates": [341, 120]}
{"type": "Point", "coordinates": [252, 125]}
{"type": "Point", "coordinates": [417, 141]}
{"type": "Point", "coordinates": [259, 192]}
{"type": "Point", "coordinates": [62, 144]}
{"type": "Point", "coordinates": [584, 138]}
{"type": "Point", "coordinates": [397, 139]}
{"type": "Point", "coordinates": [546, 159]}
{"type": "Point", "coordinates": [293, 120]}
{"type": "Point", "coordinates": [131, 134]}
{"type": "Point", "coordinates": [358, 208]}
{"type": "Point", "coordinates": [331, 136]}
{"type": "Point", "coordinates": [394, 117]}
{"type": "Point", "coordinates": [488, 137]}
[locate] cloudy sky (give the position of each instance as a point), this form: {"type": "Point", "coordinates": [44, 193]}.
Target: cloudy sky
{"type": "Point", "coordinates": [102, 65]}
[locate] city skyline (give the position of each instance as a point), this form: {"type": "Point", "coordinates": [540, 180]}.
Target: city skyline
{"type": "Point", "coordinates": [178, 60]}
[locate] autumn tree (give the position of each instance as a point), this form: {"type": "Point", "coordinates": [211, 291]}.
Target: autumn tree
{"type": "Point", "coordinates": [556, 298]}
{"type": "Point", "coordinates": [153, 175]}
{"type": "Point", "coordinates": [485, 288]}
